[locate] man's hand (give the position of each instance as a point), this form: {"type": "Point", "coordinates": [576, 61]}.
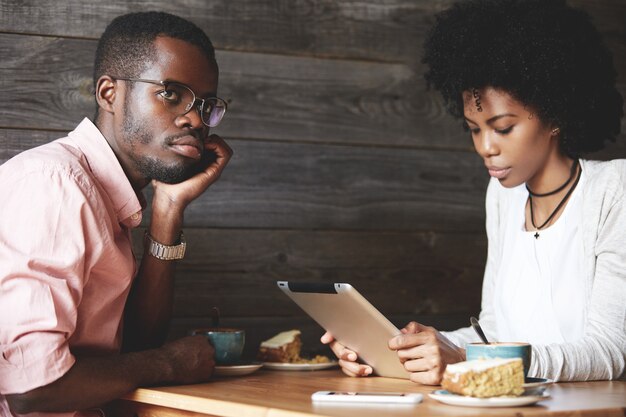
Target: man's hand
{"type": "Point", "coordinates": [425, 352]}
{"type": "Point", "coordinates": [347, 358]}
{"type": "Point", "coordinates": [149, 304]}
{"type": "Point", "coordinates": [93, 381]}
{"type": "Point", "coordinates": [181, 194]}
{"type": "Point", "coordinates": [191, 359]}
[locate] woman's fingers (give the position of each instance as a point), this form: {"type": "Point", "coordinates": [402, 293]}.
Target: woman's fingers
{"type": "Point", "coordinates": [352, 368]}
{"type": "Point", "coordinates": [347, 358]}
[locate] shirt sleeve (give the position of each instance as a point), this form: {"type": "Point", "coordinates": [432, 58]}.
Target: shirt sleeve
{"type": "Point", "coordinates": [46, 219]}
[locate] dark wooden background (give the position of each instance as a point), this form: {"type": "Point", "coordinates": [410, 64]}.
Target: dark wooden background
{"type": "Point", "coordinates": [345, 168]}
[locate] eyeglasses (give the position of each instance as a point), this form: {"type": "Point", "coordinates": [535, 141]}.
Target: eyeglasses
{"type": "Point", "coordinates": [179, 99]}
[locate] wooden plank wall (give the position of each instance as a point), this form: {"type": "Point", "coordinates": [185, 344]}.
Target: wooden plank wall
{"type": "Point", "coordinates": [346, 168]}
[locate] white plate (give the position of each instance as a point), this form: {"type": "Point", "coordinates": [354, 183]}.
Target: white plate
{"type": "Point", "coordinates": [237, 370]}
{"type": "Point", "coordinates": [446, 397]}
{"type": "Point", "coordinates": [280, 366]}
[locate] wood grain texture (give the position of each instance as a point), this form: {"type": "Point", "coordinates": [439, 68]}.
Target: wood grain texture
{"type": "Point", "coordinates": [264, 394]}
{"type": "Point", "coordinates": [271, 97]}
{"type": "Point", "coordinates": [47, 85]}
{"type": "Point", "coordinates": [338, 101]}
{"type": "Point", "coordinates": [345, 167]}
{"type": "Point", "coordinates": [134, 409]}
{"type": "Point", "coordinates": [47, 82]}
{"type": "Point", "coordinates": [13, 141]}
{"type": "Point", "coordinates": [379, 30]}
{"type": "Point", "coordinates": [390, 30]}
{"type": "Point", "coordinates": [401, 272]}
{"type": "Point", "coordinates": [306, 186]}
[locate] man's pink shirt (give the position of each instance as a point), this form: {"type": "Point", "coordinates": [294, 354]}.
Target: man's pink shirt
{"type": "Point", "coordinates": [66, 260]}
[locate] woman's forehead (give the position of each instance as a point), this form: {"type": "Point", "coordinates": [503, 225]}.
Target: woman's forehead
{"type": "Point", "coordinates": [479, 99]}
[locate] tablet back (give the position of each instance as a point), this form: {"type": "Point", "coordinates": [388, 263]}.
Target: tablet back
{"type": "Point", "coordinates": [352, 320]}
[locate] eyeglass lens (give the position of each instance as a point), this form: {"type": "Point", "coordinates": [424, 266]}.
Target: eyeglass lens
{"type": "Point", "coordinates": [179, 100]}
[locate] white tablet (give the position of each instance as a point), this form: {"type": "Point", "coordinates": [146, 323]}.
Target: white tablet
{"type": "Point", "coordinates": [352, 320]}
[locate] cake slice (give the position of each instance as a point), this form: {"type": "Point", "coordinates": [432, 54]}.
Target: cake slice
{"type": "Point", "coordinates": [284, 347]}
{"type": "Point", "coordinates": [484, 378]}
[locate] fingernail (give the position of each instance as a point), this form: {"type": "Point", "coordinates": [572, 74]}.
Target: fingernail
{"type": "Point", "coordinates": [352, 356]}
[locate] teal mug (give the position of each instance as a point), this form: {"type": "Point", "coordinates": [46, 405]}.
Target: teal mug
{"type": "Point", "coordinates": [500, 350]}
{"type": "Point", "coordinates": [227, 342]}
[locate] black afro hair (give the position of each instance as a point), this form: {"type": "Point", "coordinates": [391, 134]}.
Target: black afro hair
{"type": "Point", "coordinates": [546, 54]}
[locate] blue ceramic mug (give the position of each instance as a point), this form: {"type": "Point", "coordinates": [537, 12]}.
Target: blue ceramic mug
{"type": "Point", "coordinates": [227, 342]}
{"type": "Point", "coordinates": [500, 350]}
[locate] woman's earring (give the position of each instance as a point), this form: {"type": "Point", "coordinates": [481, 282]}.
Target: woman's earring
{"type": "Point", "coordinates": [555, 131]}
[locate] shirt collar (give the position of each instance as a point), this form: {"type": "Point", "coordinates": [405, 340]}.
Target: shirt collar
{"type": "Point", "coordinates": [107, 170]}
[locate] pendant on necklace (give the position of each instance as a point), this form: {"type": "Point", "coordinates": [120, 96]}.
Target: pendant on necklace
{"type": "Point", "coordinates": [536, 235]}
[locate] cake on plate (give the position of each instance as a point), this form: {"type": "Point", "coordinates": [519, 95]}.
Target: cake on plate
{"type": "Point", "coordinates": [284, 347]}
{"type": "Point", "coordinates": [485, 378]}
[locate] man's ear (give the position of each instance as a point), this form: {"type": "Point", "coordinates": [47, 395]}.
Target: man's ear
{"type": "Point", "coordinates": [106, 92]}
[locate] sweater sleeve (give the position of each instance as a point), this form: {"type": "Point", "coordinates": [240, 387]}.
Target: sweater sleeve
{"type": "Point", "coordinates": [601, 353]}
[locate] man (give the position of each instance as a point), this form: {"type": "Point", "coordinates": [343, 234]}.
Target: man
{"type": "Point", "coordinates": [67, 272]}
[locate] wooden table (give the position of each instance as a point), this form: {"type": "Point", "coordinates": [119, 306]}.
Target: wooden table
{"type": "Point", "coordinates": [269, 393]}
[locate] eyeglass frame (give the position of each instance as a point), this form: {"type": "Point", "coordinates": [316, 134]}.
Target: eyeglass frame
{"type": "Point", "coordinates": [164, 84]}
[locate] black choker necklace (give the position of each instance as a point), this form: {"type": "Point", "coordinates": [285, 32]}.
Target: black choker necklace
{"type": "Point", "coordinates": [571, 175]}
{"type": "Point", "coordinates": [558, 207]}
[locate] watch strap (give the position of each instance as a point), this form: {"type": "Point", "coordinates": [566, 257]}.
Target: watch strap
{"type": "Point", "coordinates": [166, 252]}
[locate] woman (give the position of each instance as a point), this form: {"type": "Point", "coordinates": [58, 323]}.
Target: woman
{"type": "Point", "coordinates": [535, 86]}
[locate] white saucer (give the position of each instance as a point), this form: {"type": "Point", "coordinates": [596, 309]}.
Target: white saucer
{"type": "Point", "coordinates": [280, 366]}
{"type": "Point", "coordinates": [536, 386]}
{"type": "Point", "coordinates": [237, 370]}
{"type": "Point", "coordinates": [446, 397]}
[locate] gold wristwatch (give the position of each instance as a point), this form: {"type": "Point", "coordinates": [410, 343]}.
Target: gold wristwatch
{"type": "Point", "coordinates": [165, 252]}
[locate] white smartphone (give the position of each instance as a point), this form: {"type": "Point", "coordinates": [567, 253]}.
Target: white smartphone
{"type": "Point", "coordinates": [367, 397]}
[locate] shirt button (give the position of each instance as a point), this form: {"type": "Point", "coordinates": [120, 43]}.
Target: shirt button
{"type": "Point", "coordinates": [135, 216]}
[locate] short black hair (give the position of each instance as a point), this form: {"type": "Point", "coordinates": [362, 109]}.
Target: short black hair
{"type": "Point", "coordinates": [126, 48]}
{"type": "Point", "coordinates": [546, 54]}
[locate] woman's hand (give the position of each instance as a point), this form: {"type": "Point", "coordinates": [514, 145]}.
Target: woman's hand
{"type": "Point", "coordinates": [347, 358]}
{"type": "Point", "coordinates": [425, 352]}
